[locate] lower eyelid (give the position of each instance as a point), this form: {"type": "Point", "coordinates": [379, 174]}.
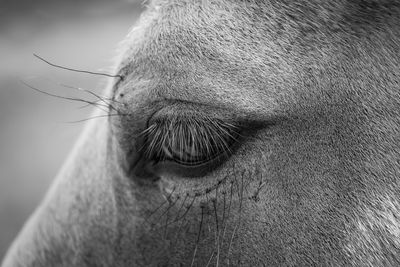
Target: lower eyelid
{"type": "Point", "coordinates": [176, 169]}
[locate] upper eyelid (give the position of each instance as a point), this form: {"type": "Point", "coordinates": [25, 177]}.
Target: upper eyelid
{"type": "Point", "coordinates": [215, 131]}
{"type": "Point", "coordinates": [160, 94]}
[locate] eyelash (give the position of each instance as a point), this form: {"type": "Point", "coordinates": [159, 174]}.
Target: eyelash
{"type": "Point", "coordinates": [188, 141]}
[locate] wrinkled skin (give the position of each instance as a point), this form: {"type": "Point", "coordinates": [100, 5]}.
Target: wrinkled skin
{"type": "Point", "coordinates": [313, 180]}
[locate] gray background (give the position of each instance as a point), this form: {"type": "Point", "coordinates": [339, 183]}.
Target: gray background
{"type": "Point", "coordinates": [35, 136]}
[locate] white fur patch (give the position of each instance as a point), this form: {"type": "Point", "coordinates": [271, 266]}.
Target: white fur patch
{"type": "Point", "coordinates": [376, 238]}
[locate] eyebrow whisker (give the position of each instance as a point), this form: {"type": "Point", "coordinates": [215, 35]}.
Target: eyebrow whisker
{"type": "Point", "coordinates": [63, 97]}
{"type": "Point", "coordinates": [77, 70]}
{"type": "Point", "coordinates": [96, 117]}
{"type": "Point", "coordinates": [100, 98]}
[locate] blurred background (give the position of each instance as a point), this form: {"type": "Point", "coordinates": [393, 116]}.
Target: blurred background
{"type": "Point", "coordinates": [38, 131]}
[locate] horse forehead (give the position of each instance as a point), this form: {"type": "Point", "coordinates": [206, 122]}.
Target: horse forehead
{"type": "Point", "coordinates": [257, 49]}
{"type": "Point", "coordinates": [245, 25]}
{"type": "Point", "coordinates": [273, 35]}
{"type": "Point", "coordinates": [237, 32]}
{"type": "Point", "coordinates": [186, 35]}
{"type": "Point", "coordinates": [214, 47]}
{"type": "Point", "coordinates": [229, 15]}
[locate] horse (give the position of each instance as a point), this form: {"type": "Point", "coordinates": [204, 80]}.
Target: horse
{"type": "Point", "coordinates": [239, 133]}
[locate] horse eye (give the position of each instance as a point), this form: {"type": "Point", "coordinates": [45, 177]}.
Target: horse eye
{"type": "Point", "coordinates": [189, 141]}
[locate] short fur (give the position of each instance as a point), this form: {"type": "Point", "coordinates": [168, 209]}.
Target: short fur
{"type": "Point", "coordinates": [316, 183]}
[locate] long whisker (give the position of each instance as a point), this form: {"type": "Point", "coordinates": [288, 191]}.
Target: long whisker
{"type": "Point", "coordinates": [63, 97]}
{"type": "Point", "coordinates": [88, 105]}
{"type": "Point", "coordinates": [96, 117]}
{"type": "Point", "coordinates": [159, 206]}
{"type": "Point", "coordinates": [229, 211]}
{"type": "Point", "coordinates": [180, 225]}
{"type": "Point", "coordinates": [217, 230]}
{"type": "Point", "coordinates": [88, 91]}
{"type": "Point", "coordinates": [187, 209]}
{"type": "Point", "coordinates": [239, 220]}
{"type": "Point", "coordinates": [76, 70]}
{"type": "Point", "coordinates": [180, 208]}
{"type": "Point", "coordinates": [100, 98]}
{"type": "Point", "coordinates": [210, 259]}
{"type": "Point", "coordinates": [198, 236]}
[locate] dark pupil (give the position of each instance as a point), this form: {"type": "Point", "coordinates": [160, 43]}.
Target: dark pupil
{"type": "Point", "coordinates": [189, 141]}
